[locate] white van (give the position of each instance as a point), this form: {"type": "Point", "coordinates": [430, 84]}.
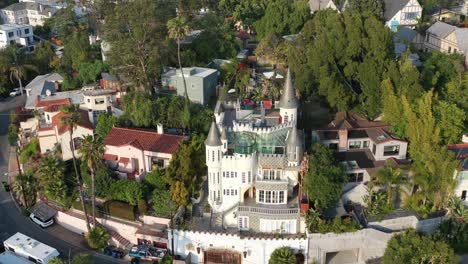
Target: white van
{"type": "Point", "coordinates": [30, 249]}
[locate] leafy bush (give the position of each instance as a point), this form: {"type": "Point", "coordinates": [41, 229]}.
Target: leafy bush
{"type": "Point", "coordinates": [120, 210]}
{"type": "Point", "coordinates": [97, 238]}
{"type": "Point", "coordinates": [162, 204]}
{"type": "Point", "coordinates": [127, 191]}
{"type": "Point", "coordinates": [411, 247]}
{"type": "Point", "coordinates": [455, 233]}
{"type": "Point", "coordinates": [282, 255]}
{"type": "Point", "coordinates": [28, 151]}
{"type": "Point", "coordinates": [104, 179]}
{"type": "Point", "coordinates": [316, 224]}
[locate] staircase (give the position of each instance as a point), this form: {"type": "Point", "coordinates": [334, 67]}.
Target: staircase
{"type": "Point", "coordinates": [216, 221]}
{"type": "Point", "coordinates": [122, 241]}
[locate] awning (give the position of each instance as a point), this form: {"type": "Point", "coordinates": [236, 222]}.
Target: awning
{"type": "Point", "coordinates": [110, 157]}
{"type": "Point", "coordinates": [124, 160]}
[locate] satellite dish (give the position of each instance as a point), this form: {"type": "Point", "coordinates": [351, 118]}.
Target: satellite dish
{"type": "Point", "coordinates": [48, 92]}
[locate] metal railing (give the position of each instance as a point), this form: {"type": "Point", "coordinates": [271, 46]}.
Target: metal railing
{"type": "Point", "coordinates": [268, 211]}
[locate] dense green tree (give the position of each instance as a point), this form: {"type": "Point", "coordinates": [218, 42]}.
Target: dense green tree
{"type": "Point", "coordinates": [155, 179]}
{"type": "Point", "coordinates": [104, 125]}
{"type": "Point", "coordinates": [325, 178]}
{"type": "Point", "coordinates": [375, 7]}
{"type": "Point", "coordinates": [12, 135]}
{"type": "Point", "coordinates": [92, 149]}
{"type": "Point", "coordinates": [451, 120]}
{"type": "Point", "coordinates": [104, 179]}
{"type": "Point", "coordinates": [283, 17]}
{"type": "Point", "coordinates": [139, 108]}
{"type": "Point", "coordinates": [51, 175]}
{"type": "Point", "coordinates": [162, 203]}
{"type": "Point", "coordinates": [138, 30]}
{"type": "Point", "coordinates": [89, 71]}
{"type": "Point", "coordinates": [127, 191]}
{"type": "Point", "coordinates": [185, 171]}
{"type": "Point", "coordinates": [282, 255]}
{"type": "Point", "coordinates": [246, 11]}
{"type": "Point", "coordinates": [392, 109]}
{"type": "Point", "coordinates": [433, 164]}
{"type": "Point", "coordinates": [44, 57]}
{"type": "Point", "coordinates": [16, 64]}
{"type": "Point", "coordinates": [391, 180]}
{"type": "Point", "coordinates": [76, 50]}
{"type": "Point", "coordinates": [273, 48]}
{"type": "Point", "coordinates": [97, 238]}
{"type": "Point", "coordinates": [411, 247]}
{"type": "Point", "coordinates": [454, 233]}
{"type": "Point", "coordinates": [77, 259]}
{"type": "Point", "coordinates": [346, 56]}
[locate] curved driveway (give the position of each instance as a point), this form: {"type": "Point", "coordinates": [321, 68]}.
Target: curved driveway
{"type": "Point", "coordinates": [11, 221]}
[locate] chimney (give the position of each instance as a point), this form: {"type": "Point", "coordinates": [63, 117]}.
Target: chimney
{"type": "Point", "coordinates": [160, 129]}
{"type": "Point", "coordinates": [343, 139]}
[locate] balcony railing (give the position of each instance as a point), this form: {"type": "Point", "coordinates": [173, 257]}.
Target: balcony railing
{"type": "Point", "coordinates": [268, 211]}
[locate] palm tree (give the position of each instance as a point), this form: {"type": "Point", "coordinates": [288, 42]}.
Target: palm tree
{"type": "Point", "coordinates": [71, 119]}
{"type": "Point", "coordinates": [26, 186]}
{"type": "Point", "coordinates": [92, 150]}
{"type": "Point", "coordinates": [312, 218]}
{"type": "Point", "coordinates": [391, 179]}
{"type": "Point", "coordinates": [19, 67]}
{"type": "Point", "coordinates": [97, 238]}
{"type": "Point", "coordinates": [282, 255]}
{"type": "Point", "coordinates": [179, 29]}
{"type": "Point", "coordinates": [51, 174]}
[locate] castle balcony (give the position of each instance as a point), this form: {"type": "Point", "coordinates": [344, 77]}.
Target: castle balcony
{"type": "Point", "coordinates": [250, 207]}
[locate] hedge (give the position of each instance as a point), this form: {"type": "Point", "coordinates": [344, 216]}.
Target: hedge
{"type": "Point", "coordinates": [89, 209]}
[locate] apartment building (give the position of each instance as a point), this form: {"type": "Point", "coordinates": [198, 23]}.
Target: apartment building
{"type": "Point", "coordinates": [14, 34]}
{"type": "Point", "coordinates": [446, 38]}
{"type": "Point", "coordinates": [30, 13]}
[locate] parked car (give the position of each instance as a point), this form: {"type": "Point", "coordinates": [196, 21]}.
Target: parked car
{"type": "Point", "coordinates": [147, 252]}
{"type": "Point", "coordinates": [114, 252]}
{"type": "Point", "coordinates": [15, 92]}
{"type": "Point", "coordinates": [41, 223]}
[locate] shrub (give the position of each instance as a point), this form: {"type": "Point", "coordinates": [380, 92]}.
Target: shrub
{"type": "Point", "coordinates": [282, 255]}
{"type": "Point", "coordinates": [162, 204]}
{"type": "Point", "coordinates": [120, 210]}
{"type": "Point", "coordinates": [455, 233]}
{"type": "Point", "coordinates": [97, 238]}
{"type": "Point", "coordinates": [28, 151]}
{"type": "Point", "coordinates": [142, 207]}
{"type": "Point", "coordinates": [127, 191]}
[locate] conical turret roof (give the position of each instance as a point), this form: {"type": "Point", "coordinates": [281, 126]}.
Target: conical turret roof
{"type": "Point", "coordinates": [288, 98]}
{"type": "Point", "coordinates": [213, 136]}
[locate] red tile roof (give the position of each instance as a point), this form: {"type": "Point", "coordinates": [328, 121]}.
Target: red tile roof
{"type": "Point", "coordinates": [143, 140]}
{"type": "Point", "coordinates": [351, 120]}
{"type": "Point", "coordinates": [60, 102]}
{"type": "Point", "coordinates": [84, 122]}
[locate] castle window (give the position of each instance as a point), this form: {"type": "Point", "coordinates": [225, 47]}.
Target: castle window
{"type": "Point", "coordinates": [243, 177]}
{"type": "Point", "coordinates": [250, 176]}
{"type": "Point", "coordinates": [268, 197]}
{"type": "Point", "coordinates": [243, 223]}
{"type": "Point", "coordinates": [218, 177]}
{"type": "Point", "coordinates": [212, 155]}
{"type": "Point", "coordinates": [261, 197]}
{"type": "Point", "coordinates": [281, 197]}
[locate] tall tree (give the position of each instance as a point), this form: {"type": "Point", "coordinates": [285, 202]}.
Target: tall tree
{"type": "Point", "coordinates": [325, 178]}
{"type": "Point", "coordinates": [178, 30]}
{"type": "Point", "coordinates": [92, 150]}
{"type": "Point", "coordinates": [71, 119]}
{"type": "Point", "coordinates": [19, 66]}
{"type": "Point", "coordinates": [26, 185]}
{"type": "Point", "coordinates": [51, 175]}
{"type": "Point", "coordinates": [137, 29]}
{"type": "Point", "coordinates": [375, 7]}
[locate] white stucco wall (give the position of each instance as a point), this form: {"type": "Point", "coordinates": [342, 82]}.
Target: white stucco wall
{"type": "Point", "coordinates": [64, 140]}
{"type": "Point", "coordinates": [258, 250]}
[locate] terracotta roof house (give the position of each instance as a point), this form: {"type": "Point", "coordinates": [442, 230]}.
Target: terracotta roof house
{"type": "Point", "coordinates": [363, 146]}
{"type": "Point", "coordinates": [134, 152]}
{"type": "Point", "coordinates": [53, 133]}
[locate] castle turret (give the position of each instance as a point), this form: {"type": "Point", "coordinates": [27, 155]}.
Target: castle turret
{"type": "Point", "coordinates": [294, 147]}
{"type": "Point", "coordinates": [214, 147]}
{"type": "Point", "coordinates": [224, 140]}
{"type": "Point", "coordinates": [288, 103]}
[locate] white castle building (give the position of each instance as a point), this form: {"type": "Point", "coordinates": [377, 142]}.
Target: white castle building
{"type": "Point", "coordinates": [254, 158]}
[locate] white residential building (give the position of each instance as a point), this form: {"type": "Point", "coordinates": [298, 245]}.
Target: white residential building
{"type": "Point", "coordinates": [446, 38]}
{"type": "Point", "coordinates": [404, 13]}
{"type": "Point", "coordinates": [254, 166]}
{"type": "Point", "coordinates": [33, 14]}
{"type": "Point", "coordinates": [316, 5]}
{"type": "Point", "coordinates": [14, 34]}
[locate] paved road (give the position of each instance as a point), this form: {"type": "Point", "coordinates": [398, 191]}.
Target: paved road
{"type": "Point", "coordinates": [11, 221]}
